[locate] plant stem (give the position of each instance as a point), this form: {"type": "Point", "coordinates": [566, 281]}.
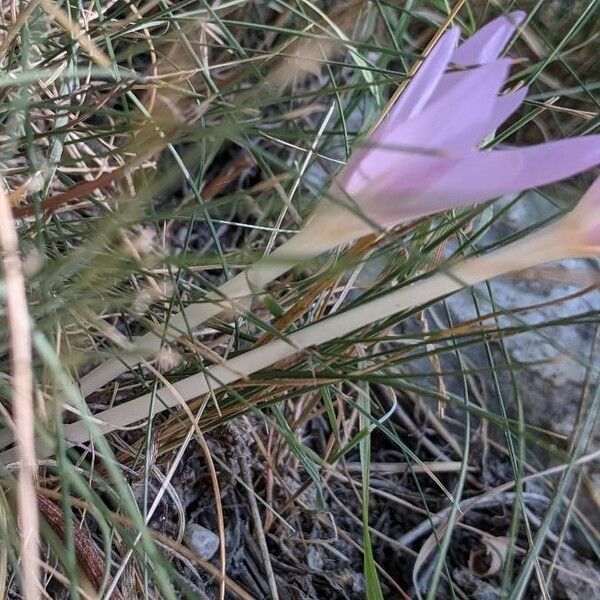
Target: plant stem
{"type": "Point", "coordinates": [542, 246]}
{"type": "Point", "coordinates": [235, 295]}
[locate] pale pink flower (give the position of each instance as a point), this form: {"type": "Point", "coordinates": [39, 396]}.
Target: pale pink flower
{"type": "Point", "coordinates": [424, 157]}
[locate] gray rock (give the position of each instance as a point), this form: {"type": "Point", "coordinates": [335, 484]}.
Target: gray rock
{"type": "Point", "coordinates": [201, 540]}
{"type": "Point", "coordinates": [552, 381]}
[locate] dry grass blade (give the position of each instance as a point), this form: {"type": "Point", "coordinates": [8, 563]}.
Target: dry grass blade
{"type": "Point", "coordinates": [13, 31]}
{"type": "Point", "coordinates": [23, 407]}
{"type": "Point", "coordinates": [76, 32]}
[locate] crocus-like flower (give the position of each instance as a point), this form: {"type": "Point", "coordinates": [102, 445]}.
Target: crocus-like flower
{"type": "Point", "coordinates": [422, 159]}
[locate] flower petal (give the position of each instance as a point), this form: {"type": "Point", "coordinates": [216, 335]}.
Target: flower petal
{"type": "Point", "coordinates": [489, 41]}
{"type": "Point", "coordinates": [445, 114]}
{"type": "Point", "coordinates": [505, 106]}
{"type": "Point", "coordinates": [424, 82]}
{"type": "Point", "coordinates": [486, 175]}
{"type": "Point", "coordinates": [459, 120]}
{"type": "Point", "coordinates": [450, 126]}
{"type": "Point", "coordinates": [483, 47]}
{"type": "Point", "coordinates": [411, 101]}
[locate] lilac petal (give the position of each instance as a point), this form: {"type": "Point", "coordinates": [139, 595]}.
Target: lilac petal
{"type": "Point", "coordinates": [424, 82]}
{"type": "Point", "coordinates": [505, 106]}
{"type": "Point", "coordinates": [423, 119]}
{"type": "Point", "coordinates": [451, 126]}
{"type": "Point", "coordinates": [460, 119]}
{"type": "Point", "coordinates": [448, 82]}
{"type": "Point", "coordinates": [413, 98]}
{"type": "Point", "coordinates": [489, 41]}
{"type": "Point", "coordinates": [486, 175]}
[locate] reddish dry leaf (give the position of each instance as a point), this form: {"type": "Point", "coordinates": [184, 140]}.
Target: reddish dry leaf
{"type": "Point", "coordinates": [88, 555]}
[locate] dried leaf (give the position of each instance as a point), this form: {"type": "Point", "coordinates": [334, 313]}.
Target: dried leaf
{"type": "Point", "coordinates": [487, 560]}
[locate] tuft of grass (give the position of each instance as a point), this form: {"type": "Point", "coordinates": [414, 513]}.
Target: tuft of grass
{"type": "Point", "coordinates": [150, 151]}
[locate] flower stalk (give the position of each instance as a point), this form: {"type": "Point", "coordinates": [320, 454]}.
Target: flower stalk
{"type": "Point", "coordinates": [575, 235]}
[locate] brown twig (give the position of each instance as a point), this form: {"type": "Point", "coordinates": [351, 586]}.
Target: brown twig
{"type": "Point", "coordinates": [88, 556]}
{"type": "Point", "coordinates": [49, 205]}
{"type": "Point", "coordinates": [163, 539]}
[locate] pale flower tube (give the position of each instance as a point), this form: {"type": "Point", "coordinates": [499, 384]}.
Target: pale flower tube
{"type": "Point", "coordinates": [422, 159]}
{"type": "Point", "coordinates": [576, 235]}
